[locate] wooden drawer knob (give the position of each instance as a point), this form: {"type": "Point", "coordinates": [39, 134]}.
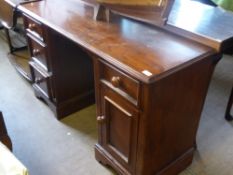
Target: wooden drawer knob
{"type": "Point", "coordinates": [115, 80]}
{"type": "Point", "coordinates": [100, 119]}
{"type": "Point", "coordinates": [32, 26]}
{"type": "Point", "coordinates": [36, 52]}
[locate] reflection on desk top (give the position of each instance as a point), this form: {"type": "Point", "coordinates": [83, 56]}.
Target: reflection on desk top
{"type": "Point", "coordinates": [15, 3]}
{"type": "Point", "coordinates": [130, 45]}
{"type": "Point", "coordinates": [212, 23]}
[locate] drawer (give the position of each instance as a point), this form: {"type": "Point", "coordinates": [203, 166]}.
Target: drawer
{"type": "Point", "coordinates": [38, 52]}
{"type": "Point", "coordinates": [34, 27]}
{"type": "Point", "coordinates": [121, 83]}
{"type": "Point", "coordinates": [41, 79]}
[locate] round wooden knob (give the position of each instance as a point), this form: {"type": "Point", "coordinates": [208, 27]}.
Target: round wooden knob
{"type": "Point", "coordinates": [31, 26]}
{"type": "Point", "coordinates": [116, 81]}
{"type": "Point", "coordinates": [100, 119]}
{"type": "Point", "coordinates": [36, 52]}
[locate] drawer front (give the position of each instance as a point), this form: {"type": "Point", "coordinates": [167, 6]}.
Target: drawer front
{"type": "Point", "coordinates": [121, 83]}
{"type": "Point", "coordinates": [34, 27]}
{"type": "Point", "coordinates": [41, 79]}
{"type": "Point", "coordinates": [38, 52]}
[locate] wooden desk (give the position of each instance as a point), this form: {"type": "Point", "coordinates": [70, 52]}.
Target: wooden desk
{"type": "Point", "coordinates": [150, 84]}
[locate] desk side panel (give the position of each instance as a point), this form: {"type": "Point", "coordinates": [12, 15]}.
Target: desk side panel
{"type": "Point", "coordinates": [168, 126]}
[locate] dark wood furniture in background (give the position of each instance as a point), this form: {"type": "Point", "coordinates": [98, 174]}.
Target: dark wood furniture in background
{"type": "Point", "coordinates": [228, 115]}
{"type": "Point", "coordinates": [12, 23]}
{"type": "Point", "coordinates": [8, 20]}
{"type": "Point", "coordinates": [4, 137]}
{"type": "Point", "coordinates": [9, 16]}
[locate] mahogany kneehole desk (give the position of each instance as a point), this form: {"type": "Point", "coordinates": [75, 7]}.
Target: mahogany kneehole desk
{"type": "Point", "coordinates": [149, 84]}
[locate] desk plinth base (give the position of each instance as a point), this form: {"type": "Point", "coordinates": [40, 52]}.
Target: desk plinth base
{"type": "Point", "coordinates": [67, 107]}
{"type": "Point", "coordinates": [173, 168]}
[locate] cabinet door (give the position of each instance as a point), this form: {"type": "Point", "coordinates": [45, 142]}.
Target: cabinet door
{"type": "Point", "coordinates": [119, 125]}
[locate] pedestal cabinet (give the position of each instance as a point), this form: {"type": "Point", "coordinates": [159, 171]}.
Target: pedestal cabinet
{"type": "Point", "coordinates": [149, 128]}
{"type": "Point", "coordinates": [118, 114]}
{"type": "Point", "coordinates": [62, 73]}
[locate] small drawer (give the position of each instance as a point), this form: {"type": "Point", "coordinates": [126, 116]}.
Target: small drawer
{"type": "Point", "coordinates": [34, 27]}
{"type": "Point", "coordinates": [38, 52]}
{"type": "Point", "coordinates": [40, 79]}
{"type": "Point", "coordinates": [123, 84]}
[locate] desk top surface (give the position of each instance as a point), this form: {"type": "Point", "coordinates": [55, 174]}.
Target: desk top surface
{"type": "Point", "coordinates": [130, 45]}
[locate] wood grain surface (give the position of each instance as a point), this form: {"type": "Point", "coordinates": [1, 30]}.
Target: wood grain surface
{"type": "Point", "coordinates": [129, 44]}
